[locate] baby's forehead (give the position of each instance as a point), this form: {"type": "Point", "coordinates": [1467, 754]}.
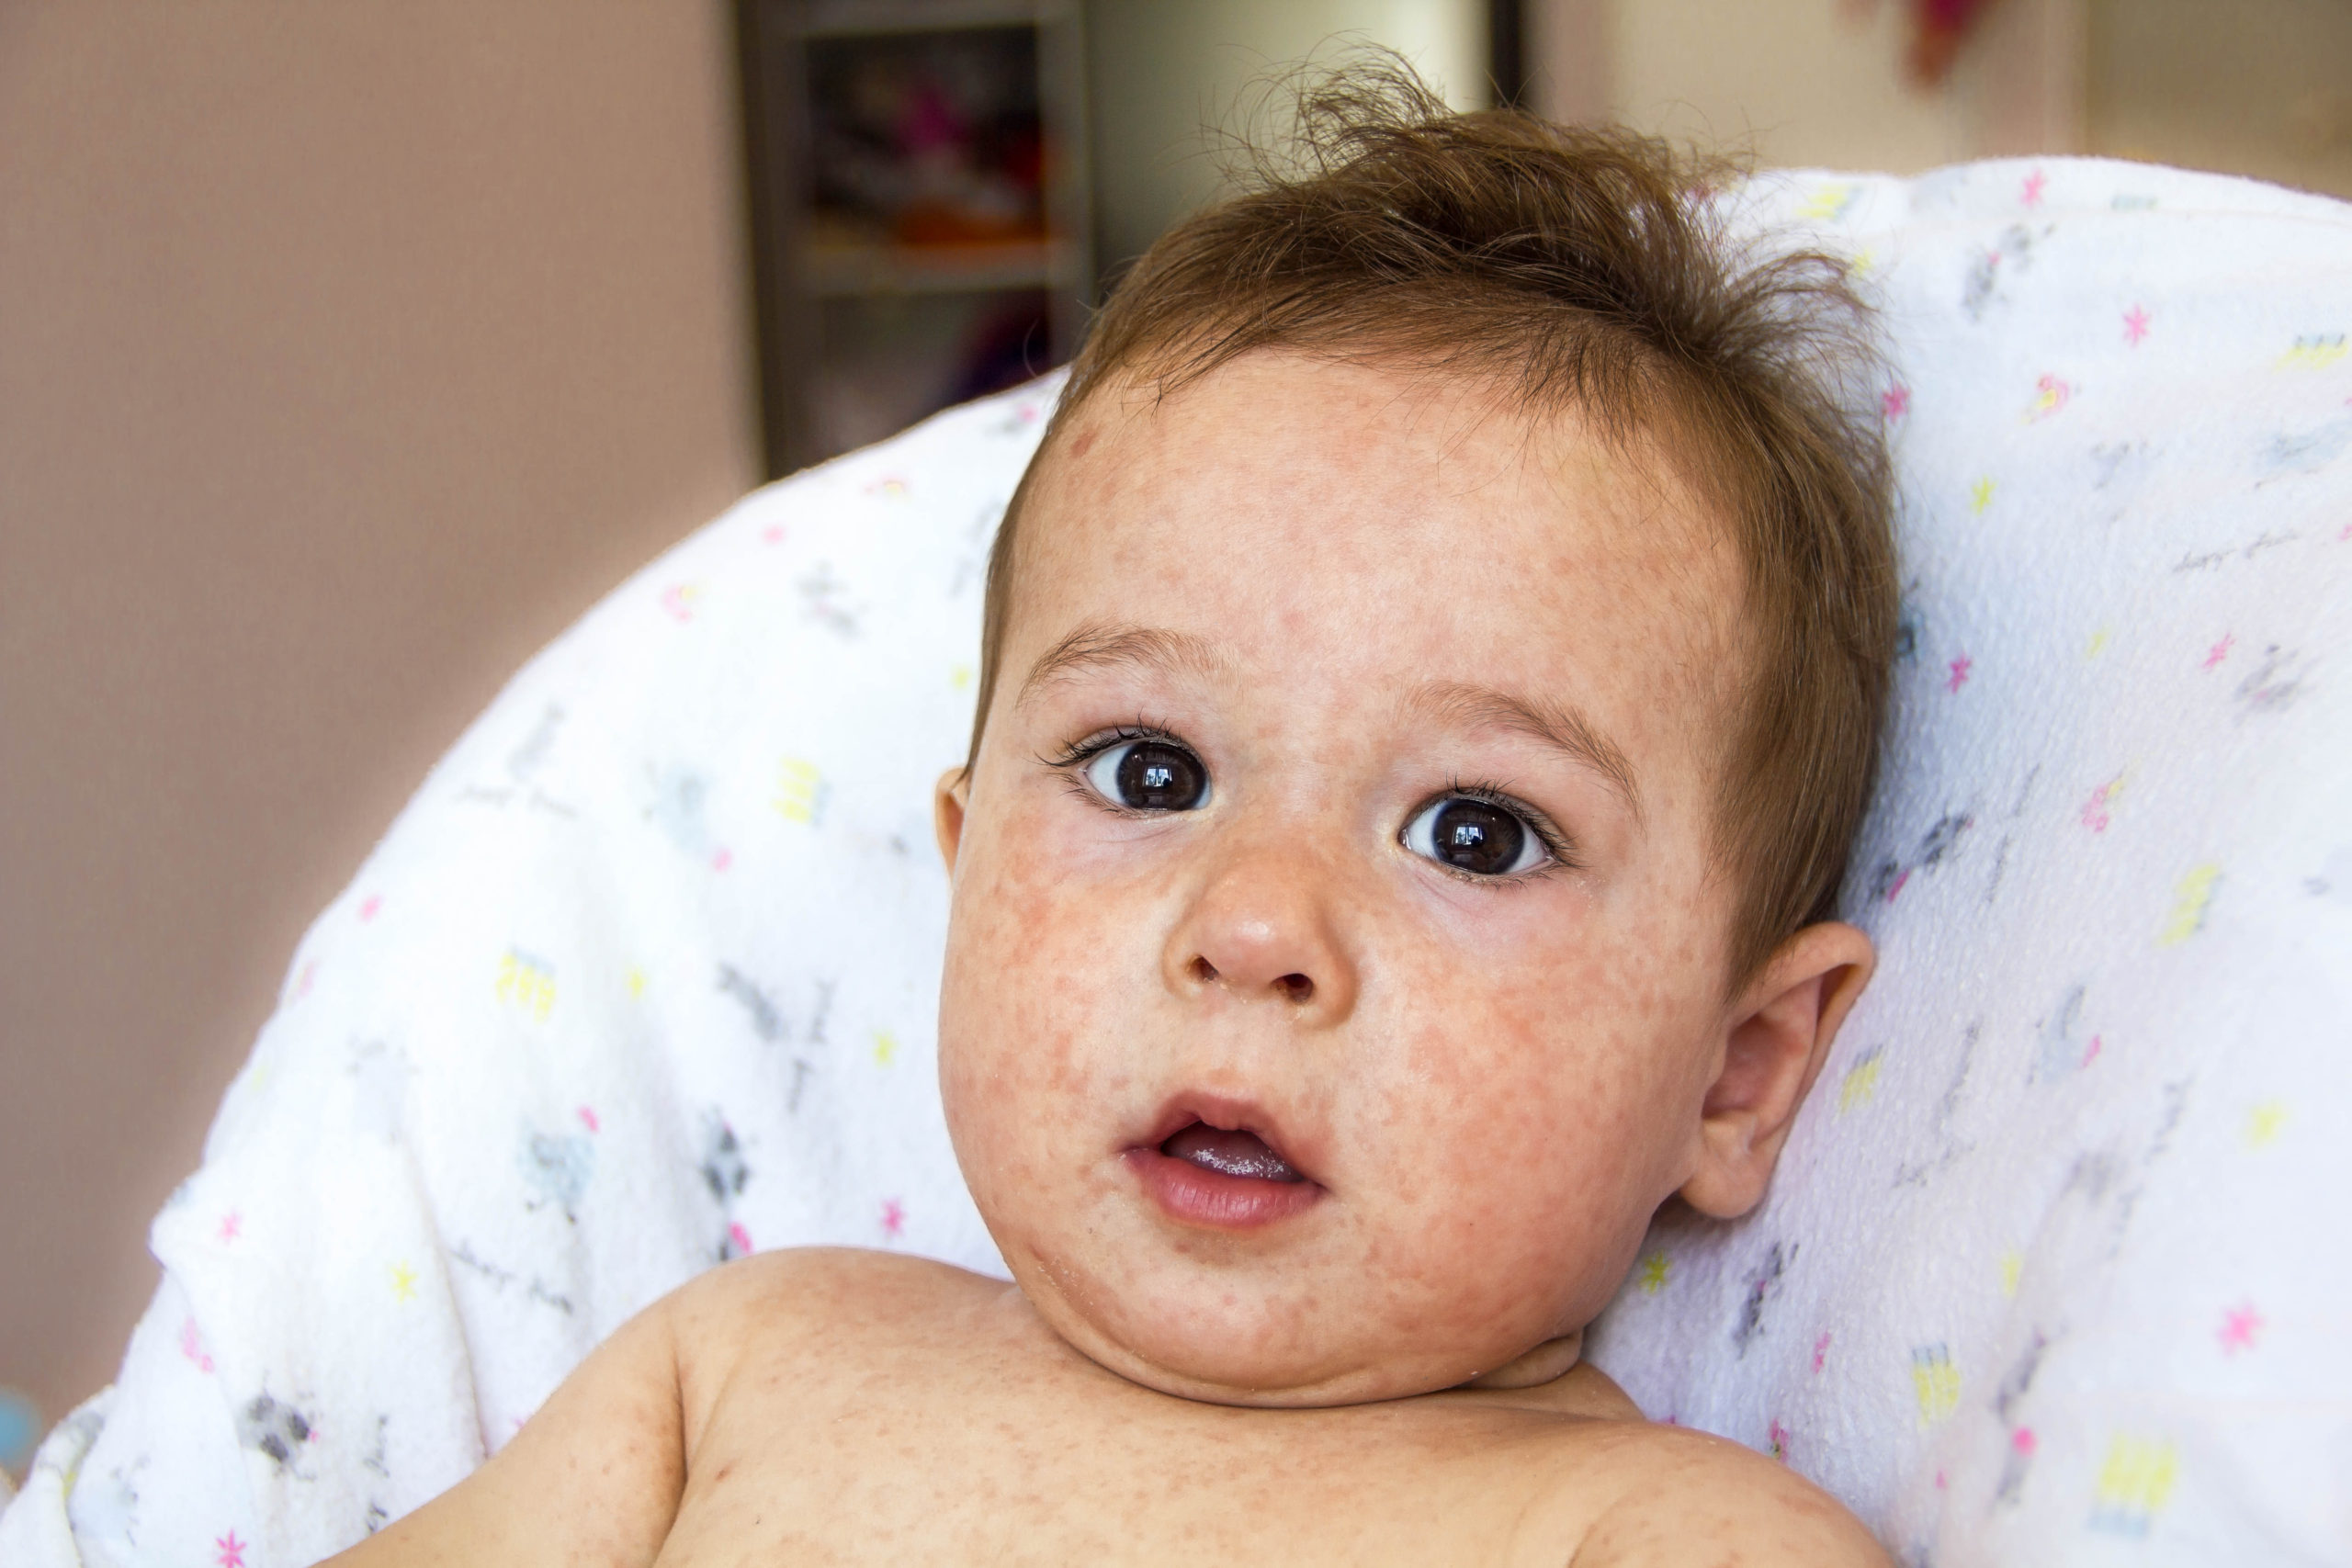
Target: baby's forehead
{"type": "Point", "coordinates": [1395, 540]}
{"type": "Point", "coordinates": [1559, 502]}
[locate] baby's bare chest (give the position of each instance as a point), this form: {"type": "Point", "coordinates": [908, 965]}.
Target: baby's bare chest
{"type": "Point", "coordinates": [1023, 1464]}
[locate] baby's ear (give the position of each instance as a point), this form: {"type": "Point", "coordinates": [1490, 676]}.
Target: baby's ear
{"type": "Point", "coordinates": [1776, 1037]}
{"type": "Point", "coordinates": [947, 801]}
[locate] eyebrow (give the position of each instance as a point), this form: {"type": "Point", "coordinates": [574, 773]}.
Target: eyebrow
{"type": "Point", "coordinates": [1100, 647]}
{"type": "Point", "coordinates": [1562, 727]}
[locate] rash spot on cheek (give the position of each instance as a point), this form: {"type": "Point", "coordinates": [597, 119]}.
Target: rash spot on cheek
{"type": "Point", "coordinates": [1033, 1001]}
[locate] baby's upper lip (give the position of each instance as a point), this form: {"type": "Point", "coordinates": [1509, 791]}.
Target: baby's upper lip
{"type": "Point", "coordinates": [1227, 1114]}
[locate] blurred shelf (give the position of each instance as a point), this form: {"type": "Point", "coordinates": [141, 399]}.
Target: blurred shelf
{"type": "Point", "coordinates": [832, 18]}
{"type": "Point", "coordinates": [920, 207]}
{"type": "Point", "coordinates": [836, 270]}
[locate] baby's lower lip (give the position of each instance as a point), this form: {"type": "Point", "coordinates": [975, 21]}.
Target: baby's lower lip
{"type": "Point", "coordinates": [1216, 1194]}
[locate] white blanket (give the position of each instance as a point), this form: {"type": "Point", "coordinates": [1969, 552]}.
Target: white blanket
{"type": "Point", "coordinates": [644, 977]}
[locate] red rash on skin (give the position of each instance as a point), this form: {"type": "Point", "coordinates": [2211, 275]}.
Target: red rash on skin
{"type": "Point", "coordinates": [1496, 1085]}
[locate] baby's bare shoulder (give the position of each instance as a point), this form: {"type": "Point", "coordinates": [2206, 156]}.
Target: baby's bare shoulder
{"type": "Point", "coordinates": [781, 1303]}
{"type": "Point", "coordinates": [1648, 1494]}
{"type": "Point", "coordinates": [818, 1282]}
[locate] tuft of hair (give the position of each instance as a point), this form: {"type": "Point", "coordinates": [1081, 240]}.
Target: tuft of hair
{"type": "Point", "coordinates": [1584, 268]}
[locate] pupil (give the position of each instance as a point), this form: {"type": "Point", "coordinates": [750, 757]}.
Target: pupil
{"type": "Point", "coordinates": [1477, 837]}
{"type": "Point", "coordinates": [1154, 776]}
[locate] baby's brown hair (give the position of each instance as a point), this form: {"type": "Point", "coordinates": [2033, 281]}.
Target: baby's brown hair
{"type": "Point", "coordinates": [1585, 270]}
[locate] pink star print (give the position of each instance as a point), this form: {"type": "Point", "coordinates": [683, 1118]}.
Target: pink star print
{"type": "Point", "coordinates": [192, 1346]}
{"type": "Point", "coordinates": [2022, 1439]}
{"type": "Point", "coordinates": [1820, 1348]}
{"type": "Point", "coordinates": [894, 1216]}
{"type": "Point", "coordinates": [1959, 668]}
{"type": "Point", "coordinates": [231, 1549]}
{"type": "Point", "coordinates": [1895, 401]}
{"type": "Point", "coordinates": [233, 1225]}
{"type": "Point", "coordinates": [588, 1120]}
{"type": "Point", "coordinates": [2096, 816]}
{"type": "Point", "coordinates": [2239, 1326]}
{"type": "Point", "coordinates": [2033, 184]}
{"type": "Point", "coordinates": [2220, 650]}
{"type": "Point", "coordinates": [1780, 1441]}
{"type": "Point", "coordinates": [772, 533]}
{"type": "Point", "coordinates": [2135, 325]}
{"type": "Point", "coordinates": [368, 908]}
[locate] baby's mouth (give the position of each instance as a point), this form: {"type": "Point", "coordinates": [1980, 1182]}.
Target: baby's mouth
{"type": "Point", "coordinates": [1228, 1178]}
{"type": "Point", "coordinates": [1234, 1153]}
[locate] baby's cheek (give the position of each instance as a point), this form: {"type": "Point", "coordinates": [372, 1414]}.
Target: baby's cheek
{"type": "Point", "coordinates": [1539, 1123]}
{"type": "Point", "coordinates": [1018, 1008]}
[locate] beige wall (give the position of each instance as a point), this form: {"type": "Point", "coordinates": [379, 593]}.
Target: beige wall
{"type": "Point", "coordinates": [2254, 87]}
{"type": "Point", "coordinates": [347, 351]}
{"type": "Point", "coordinates": [1813, 83]}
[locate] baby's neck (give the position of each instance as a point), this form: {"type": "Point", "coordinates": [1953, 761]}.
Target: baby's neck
{"type": "Point", "coordinates": [1549, 1362]}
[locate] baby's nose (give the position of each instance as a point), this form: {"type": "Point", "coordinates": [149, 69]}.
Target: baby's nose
{"type": "Point", "coordinates": [1261, 928]}
{"type": "Point", "coordinates": [1294, 986]}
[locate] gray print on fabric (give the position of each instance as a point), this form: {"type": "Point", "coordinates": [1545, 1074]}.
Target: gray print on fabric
{"type": "Point", "coordinates": [766, 1021]}
{"type": "Point", "coordinates": [2011, 254]}
{"type": "Point", "coordinates": [1763, 1283]}
{"type": "Point", "coordinates": [501, 1278]}
{"type": "Point", "coordinates": [557, 1166]}
{"type": "Point", "coordinates": [279, 1430]}
{"type": "Point", "coordinates": [679, 795]}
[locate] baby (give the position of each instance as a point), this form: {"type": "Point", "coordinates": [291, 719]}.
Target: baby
{"type": "Point", "coordinates": [1432, 670]}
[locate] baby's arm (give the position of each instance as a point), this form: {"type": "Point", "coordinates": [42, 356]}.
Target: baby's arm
{"type": "Point", "coordinates": [593, 1478]}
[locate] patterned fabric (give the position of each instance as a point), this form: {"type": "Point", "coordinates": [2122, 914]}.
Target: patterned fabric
{"type": "Point", "coordinates": [2044, 1275]}
{"type": "Point", "coordinates": [644, 977]}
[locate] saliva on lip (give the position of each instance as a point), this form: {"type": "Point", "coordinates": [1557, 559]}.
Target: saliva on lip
{"type": "Point", "coordinates": [1229, 1153]}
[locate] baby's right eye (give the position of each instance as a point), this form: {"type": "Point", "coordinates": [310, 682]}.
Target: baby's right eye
{"type": "Point", "coordinates": [1148, 774]}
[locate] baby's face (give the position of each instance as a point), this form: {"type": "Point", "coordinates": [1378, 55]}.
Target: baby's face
{"type": "Point", "coordinates": [1337, 962]}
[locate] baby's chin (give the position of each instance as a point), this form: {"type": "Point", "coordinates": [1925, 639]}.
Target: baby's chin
{"type": "Point", "coordinates": [1220, 1354]}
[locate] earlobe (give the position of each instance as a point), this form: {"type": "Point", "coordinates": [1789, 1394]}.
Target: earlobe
{"type": "Point", "coordinates": [1776, 1037]}
{"type": "Point", "coordinates": [948, 803]}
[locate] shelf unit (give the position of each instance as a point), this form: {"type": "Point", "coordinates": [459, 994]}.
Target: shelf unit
{"type": "Point", "coordinates": [921, 221]}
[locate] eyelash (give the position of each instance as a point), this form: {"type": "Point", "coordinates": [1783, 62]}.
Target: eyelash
{"type": "Point", "coordinates": [1071, 759]}
{"type": "Point", "coordinates": [1557, 844]}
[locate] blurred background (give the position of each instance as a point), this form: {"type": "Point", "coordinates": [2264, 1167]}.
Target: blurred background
{"type": "Point", "coordinates": [349, 350]}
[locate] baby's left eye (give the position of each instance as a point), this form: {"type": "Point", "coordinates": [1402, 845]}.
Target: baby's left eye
{"type": "Point", "coordinates": [1149, 773]}
{"type": "Point", "coordinates": [1481, 837]}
